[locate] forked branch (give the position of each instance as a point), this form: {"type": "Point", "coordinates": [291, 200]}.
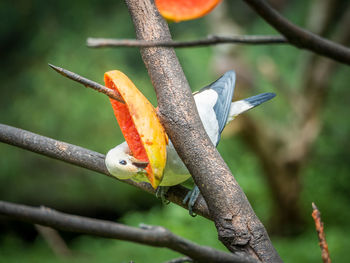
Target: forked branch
{"type": "Point", "coordinates": [148, 235]}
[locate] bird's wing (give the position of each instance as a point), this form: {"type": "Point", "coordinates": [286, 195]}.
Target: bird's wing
{"type": "Point", "coordinates": [213, 103]}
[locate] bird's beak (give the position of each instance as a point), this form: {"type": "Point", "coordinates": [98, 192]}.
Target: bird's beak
{"type": "Point", "coordinates": [138, 163]}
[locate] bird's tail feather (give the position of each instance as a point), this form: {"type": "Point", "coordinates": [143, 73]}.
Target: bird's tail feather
{"type": "Point", "coordinates": [260, 98]}
{"type": "Point", "coordinates": [238, 107]}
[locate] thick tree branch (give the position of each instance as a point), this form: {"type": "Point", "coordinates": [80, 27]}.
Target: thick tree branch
{"type": "Point", "coordinates": [299, 37]}
{"type": "Point", "coordinates": [148, 235]}
{"type": "Point", "coordinates": [210, 40]}
{"type": "Point", "coordinates": [84, 158]}
{"type": "Point", "coordinates": [238, 227]}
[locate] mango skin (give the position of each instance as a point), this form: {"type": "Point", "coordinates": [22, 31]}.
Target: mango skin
{"type": "Point", "coordinates": [150, 133]}
{"type": "Point", "coordinates": [182, 10]}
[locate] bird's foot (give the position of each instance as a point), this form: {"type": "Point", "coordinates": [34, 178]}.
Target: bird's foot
{"type": "Point", "coordinates": [161, 193]}
{"type": "Point", "coordinates": [191, 198]}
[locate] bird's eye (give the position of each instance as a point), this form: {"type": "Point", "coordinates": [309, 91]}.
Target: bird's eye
{"type": "Point", "coordinates": [122, 162]}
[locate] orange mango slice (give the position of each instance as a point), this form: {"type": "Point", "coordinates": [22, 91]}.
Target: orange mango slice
{"type": "Point", "coordinates": [180, 10]}
{"type": "Point", "coordinates": [139, 124]}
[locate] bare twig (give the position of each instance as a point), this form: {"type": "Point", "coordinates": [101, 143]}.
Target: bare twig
{"type": "Point", "coordinates": [299, 37]}
{"type": "Point", "coordinates": [85, 158]}
{"type": "Point", "coordinates": [316, 215]}
{"type": "Point", "coordinates": [54, 241]}
{"type": "Point", "coordinates": [210, 40]}
{"type": "Point", "coordinates": [151, 235]}
{"type": "Point", "coordinates": [238, 227]}
{"type": "Point", "coordinates": [88, 83]}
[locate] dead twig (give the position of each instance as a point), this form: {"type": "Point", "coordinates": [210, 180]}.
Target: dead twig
{"type": "Point", "coordinates": [88, 83]}
{"type": "Point", "coordinates": [316, 215]}
{"type": "Point", "coordinates": [210, 40]}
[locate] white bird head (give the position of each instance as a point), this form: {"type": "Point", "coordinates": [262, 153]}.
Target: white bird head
{"type": "Point", "coordinates": [121, 164]}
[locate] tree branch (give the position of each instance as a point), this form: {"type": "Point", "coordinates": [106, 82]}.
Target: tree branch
{"type": "Point", "coordinates": [210, 40]}
{"type": "Point", "coordinates": [299, 37]}
{"type": "Point", "coordinates": [85, 158]}
{"type": "Point", "coordinates": [238, 227]}
{"type": "Point", "coordinates": [148, 235]}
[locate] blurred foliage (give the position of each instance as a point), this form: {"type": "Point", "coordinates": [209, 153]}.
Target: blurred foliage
{"type": "Point", "coordinates": [35, 98]}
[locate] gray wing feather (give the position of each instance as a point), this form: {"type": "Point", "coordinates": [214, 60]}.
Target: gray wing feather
{"type": "Point", "coordinates": [224, 87]}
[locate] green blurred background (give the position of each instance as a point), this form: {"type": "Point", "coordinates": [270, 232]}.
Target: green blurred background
{"type": "Point", "coordinates": [35, 98]}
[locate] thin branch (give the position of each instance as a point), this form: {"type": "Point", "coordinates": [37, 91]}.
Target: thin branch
{"type": "Point", "coordinates": [151, 235]}
{"type": "Point", "coordinates": [85, 158]}
{"type": "Point", "coordinates": [88, 83]}
{"type": "Point", "coordinates": [238, 227]}
{"type": "Point", "coordinates": [316, 215]}
{"type": "Point", "coordinates": [300, 37]}
{"type": "Point", "coordinates": [210, 40]}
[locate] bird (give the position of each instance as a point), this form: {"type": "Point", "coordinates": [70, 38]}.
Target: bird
{"type": "Point", "coordinates": [216, 110]}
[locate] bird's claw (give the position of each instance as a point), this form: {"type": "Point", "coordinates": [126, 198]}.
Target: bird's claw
{"type": "Point", "coordinates": [161, 192]}
{"type": "Point", "coordinates": [191, 198]}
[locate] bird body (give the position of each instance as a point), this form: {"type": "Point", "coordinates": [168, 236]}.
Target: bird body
{"type": "Point", "coordinates": [215, 108]}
